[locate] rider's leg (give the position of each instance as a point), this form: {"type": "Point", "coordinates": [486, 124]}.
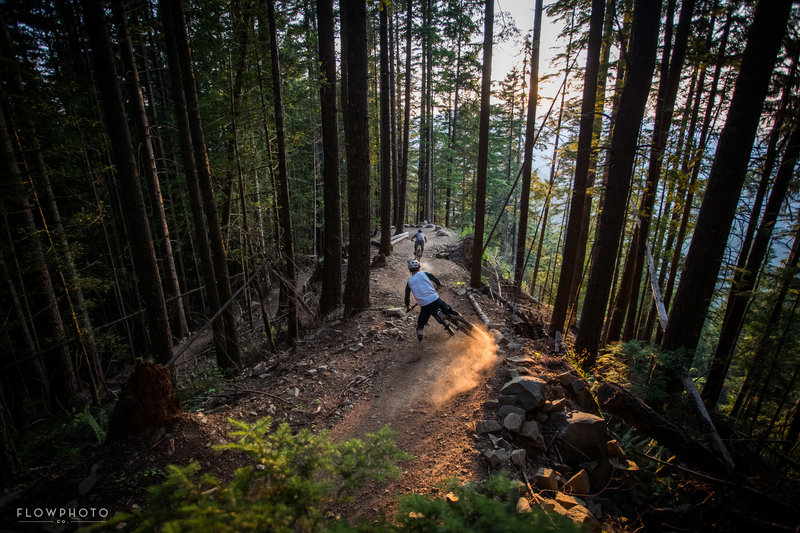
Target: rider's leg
{"type": "Point", "coordinates": [446, 309]}
{"type": "Point", "coordinates": [424, 314]}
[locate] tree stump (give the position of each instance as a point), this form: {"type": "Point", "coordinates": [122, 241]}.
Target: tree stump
{"type": "Point", "coordinates": [147, 402]}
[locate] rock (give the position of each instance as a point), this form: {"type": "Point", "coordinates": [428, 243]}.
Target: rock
{"type": "Point", "coordinates": [528, 390]}
{"type": "Point", "coordinates": [558, 339]}
{"type": "Point", "coordinates": [583, 396]}
{"type": "Point", "coordinates": [294, 392]}
{"type": "Point", "coordinates": [498, 337]}
{"type": "Point", "coordinates": [523, 506]}
{"type": "Point", "coordinates": [513, 347]}
{"type": "Point", "coordinates": [585, 437]}
{"type": "Point", "coordinates": [496, 457]}
{"type": "Point", "coordinates": [581, 515]}
{"type": "Point", "coordinates": [512, 422]}
{"type": "Point", "coordinates": [565, 378]}
{"type": "Point", "coordinates": [518, 457]}
{"type": "Point", "coordinates": [531, 432]}
{"type": "Point", "coordinates": [553, 506]}
{"type": "Point", "coordinates": [546, 479]}
{"type": "Point", "coordinates": [394, 312]}
{"type": "Point", "coordinates": [507, 399]}
{"type": "Point", "coordinates": [567, 501]}
{"type": "Point", "coordinates": [615, 450]}
{"type": "Point", "coordinates": [506, 409]}
{"type": "Point", "coordinates": [461, 292]}
{"type": "Point", "coordinates": [488, 426]}
{"type": "Point", "coordinates": [540, 417]}
{"type": "Point", "coordinates": [578, 484]}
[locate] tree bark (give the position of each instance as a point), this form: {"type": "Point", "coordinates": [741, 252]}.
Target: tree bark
{"type": "Point", "coordinates": [527, 158]}
{"type": "Point", "coordinates": [331, 296]}
{"type": "Point", "coordinates": [483, 147]}
{"type": "Point", "coordinates": [707, 248]}
{"type": "Point", "coordinates": [642, 58]}
{"type": "Point", "coordinates": [232, 356]}
{"type": "Point", "coordinates": [149, 281]}
{"type": "Point", "coordinates": [385, 140]}
{"type": "Point", "coordinates": [356, 294]}
{"type": "Point", "coordinates": [284, 205]}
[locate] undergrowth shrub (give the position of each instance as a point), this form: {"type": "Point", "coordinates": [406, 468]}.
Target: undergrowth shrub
{"type": "Point", "coordinates": [291, 481]}
{"type": "Point", "coordinates": [295, 480]}
{"type": "Point", "coordinates": [642, 367]}
{"type": "Point", "coordinates": [481, 508]}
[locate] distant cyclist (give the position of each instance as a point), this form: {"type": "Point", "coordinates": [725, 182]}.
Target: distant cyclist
{"type": "Point", "coordinates": [425, 287]}
{"type": "Point", "coordinates": [419, 243]}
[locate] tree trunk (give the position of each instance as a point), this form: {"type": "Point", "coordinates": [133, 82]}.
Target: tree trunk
{"type": "Point", "coordinates": [149, 282]}
{"type": "Point", "coordinates": [742, 287]}
{"type": "Point", "coordinates": [284, 206]}
{"type": "Point", "coordinates": [385, 135]}
{"type": "Point", "coordinates": [172, 286]}
{"type": "Point", "coordinates": [725, 181]}
{"type": "Point", "coordinates": [527, 158]}
{"type": "Point", "coordinates": [621, 158]}
{"type": "Point", "coordinates": [205, 264]}
{"type": "Point", "coordinates": [569, 261]}
{"type": "Point", "coordinates": [356, 295]}
{"type": "Point", "coordinates": [483, 147]}
{"type": "Point", "coordinates": [331, 296]}
{"type": "Point", "coordinates": [232, 356]}
{"type": "Point", "coordinates": [403, 164]}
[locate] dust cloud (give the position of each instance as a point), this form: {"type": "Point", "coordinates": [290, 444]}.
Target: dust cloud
{"type": "Point", "coordinates": [468, 362]}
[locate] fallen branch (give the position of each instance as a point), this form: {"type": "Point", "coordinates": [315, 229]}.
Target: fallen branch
{"type": "Point", "coordinates": [476, 306]}
{"type": "Point", "coordinates": [716, 441]}
{"type": "Point", "coordinates": [618, 401]}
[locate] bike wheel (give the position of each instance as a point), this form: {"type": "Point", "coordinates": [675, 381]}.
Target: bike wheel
{"type": "Point", "coordinates": [462, 324]}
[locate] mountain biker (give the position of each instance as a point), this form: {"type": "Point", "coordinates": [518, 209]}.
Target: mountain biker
{"type": "Point", "coordinates": [425, 287]}
{"type": "Point", "coordinates": [419, 239]}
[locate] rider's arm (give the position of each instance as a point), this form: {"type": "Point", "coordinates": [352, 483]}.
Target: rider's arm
{"type": "Point", "coordinates": [434, 280]}
{"type": "Point", "coordinates": [408, 296]}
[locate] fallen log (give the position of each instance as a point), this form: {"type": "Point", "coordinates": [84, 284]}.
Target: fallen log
{"type": "Point", "coordinates": [618, 401]}
{"type": "Point", "coordinates": [395, 239]}
{"type": "Point", "coordinates": [477, 307]}
{"type": "Point", "coordinates": [534, 327]}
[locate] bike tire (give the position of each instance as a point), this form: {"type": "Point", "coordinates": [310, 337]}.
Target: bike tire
{"type": "Point", "coordinates": [461, 324]}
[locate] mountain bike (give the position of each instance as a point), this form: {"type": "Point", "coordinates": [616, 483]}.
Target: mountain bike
{"type": "Point", "coordinates": [451, 323]}
{"type": "Point", "coordinates": [417, 251]}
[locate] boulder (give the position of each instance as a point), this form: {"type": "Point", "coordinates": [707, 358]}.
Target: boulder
{"type": "Point", "coordinates": [513, 422]}
{"type": "Point", "coordinates": [567, 501]}
{"type": "Point", "coordinates": [488, 426]}
{"type": "Point", "coordinates": [496, 457]}
{"type": "Point", "coordinates": [584, 438]}
{"type": "Point", "coordinates": [615, 450]}
{"type": "Point", "coordinates": [578, 484]}
{"type": "Point", "coordinates": [523, 506]}
{"type": "Point", "coordinates": [546, 479]}
{"type": "Point", "coordinates": [506, 409]}
{"type": "Point", "coordinates": [583, 396]}
{"type": "Point", "coordinates": [529, 391]}
{"type": "Point", "coordinates": [518, 457]}
{"type": "Point", "coordinates": [581, 515]}
{"type": "Point", "coordinates": [532, 434]}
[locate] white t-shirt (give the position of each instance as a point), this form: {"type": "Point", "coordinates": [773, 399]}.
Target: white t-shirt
{"type": "Point", "coordinates": [423, 289]}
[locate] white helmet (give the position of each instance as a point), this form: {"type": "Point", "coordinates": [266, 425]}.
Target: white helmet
{"type": "Point", "coordinates": [413, 264]}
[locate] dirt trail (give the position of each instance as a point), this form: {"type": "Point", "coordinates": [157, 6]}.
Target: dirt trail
{"type": "Point", "coordinates": [430, 392]}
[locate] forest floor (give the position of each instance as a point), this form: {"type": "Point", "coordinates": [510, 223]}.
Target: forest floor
{"type": "Point", "coordinates": [350, 377]}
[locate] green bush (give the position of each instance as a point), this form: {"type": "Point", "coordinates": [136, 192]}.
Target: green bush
{"type": "Point", "coordinates": [295, 480]}
{"type": "Point", "coordinates": [489, 507]}
{"type": "Point", "coordinates": [291, 479]}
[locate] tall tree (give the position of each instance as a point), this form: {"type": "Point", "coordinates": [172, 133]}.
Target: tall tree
{"type": "Point", "coordinates": [728, 170]}
{"type": "Point", "coordinates": [570, 260]}
{"type": "Point", "coordinates": [331, 295]}
{"type": "Point", "coordinates": [356, 126]}
{"type": "Point", "coordinates": [743, 285]}
{"type": "Point", "coordinates": [641, 61]}
{"type": "Point", "coordinates": [483, 147]}
{"type": "Point", "coordinates": [402, 198]}
{"type": "Point", "coordinates": [385, 140]}
{"type": "Point", "coordinates": [144, 255]}
{"type": "Point", "coordinates": [232, 356]}
{"type": "Point", "coordinates": [133, 83]}
{"type": "Point", "coordinates": [284, 214]}
{"type": "Point", "coordinates": [527, 158]}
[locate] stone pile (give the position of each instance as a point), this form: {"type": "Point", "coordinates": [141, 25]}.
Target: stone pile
{"type": "Point", "coordinates": [554, 433]}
